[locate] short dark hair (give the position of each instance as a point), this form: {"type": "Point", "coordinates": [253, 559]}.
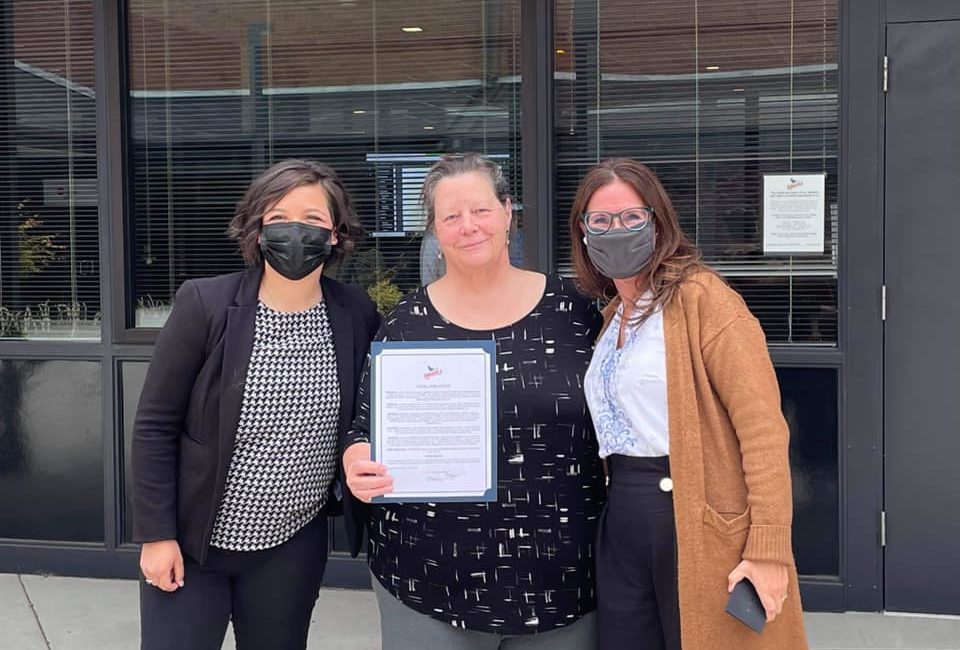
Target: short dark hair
{"type": "Point", "coordinates": [272, 185]}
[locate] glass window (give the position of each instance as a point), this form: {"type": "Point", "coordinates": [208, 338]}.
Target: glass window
{"type": "Point", "coordinates": [132, 376]}
{"type": "Point", "coordinates": [220, 89]}
{"type": "Point", "coordinates": [49, 250]}
{"type": "Point", "coordinates": [712, 96]}
{"type": "Point", "coordinates": [810, 405]}
{"type": "Point", "coordinates": [51, 451]}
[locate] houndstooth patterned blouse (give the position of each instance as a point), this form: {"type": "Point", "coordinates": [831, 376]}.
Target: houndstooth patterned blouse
{"type": "Point", "coordinates": [285, 454]}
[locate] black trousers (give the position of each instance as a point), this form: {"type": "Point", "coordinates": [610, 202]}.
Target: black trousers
{"type": "Point", "coordinates": [268, 594]}
{"type": "Point", "coordinates": [637, 601]}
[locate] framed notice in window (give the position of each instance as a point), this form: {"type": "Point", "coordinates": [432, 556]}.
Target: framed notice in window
{"type": "Point", "coordinates": [793, 213]}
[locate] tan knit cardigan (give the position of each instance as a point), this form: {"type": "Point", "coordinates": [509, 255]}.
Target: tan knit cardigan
{"type": "Point", "coordinates": [729, 464]}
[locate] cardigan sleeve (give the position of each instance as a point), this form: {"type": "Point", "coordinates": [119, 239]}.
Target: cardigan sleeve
{"type": "Point", "coordinates": [741, 373]}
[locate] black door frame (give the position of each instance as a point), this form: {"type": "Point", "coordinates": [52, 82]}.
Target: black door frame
{"type": "Point", "coordinates": [858, 356]}
{"type": "Point", "coordinates": [861, 201]}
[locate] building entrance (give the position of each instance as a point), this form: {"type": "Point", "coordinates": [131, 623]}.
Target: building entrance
{"type": "Point", "coordinates": [922, 355]}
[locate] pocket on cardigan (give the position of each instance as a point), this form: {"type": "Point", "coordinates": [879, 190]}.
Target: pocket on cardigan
{"type": "Point", "coordinates": [728, 524]}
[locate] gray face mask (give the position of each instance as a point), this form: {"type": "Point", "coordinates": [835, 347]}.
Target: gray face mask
{"type": "Point", "coordinates": [620, 253]}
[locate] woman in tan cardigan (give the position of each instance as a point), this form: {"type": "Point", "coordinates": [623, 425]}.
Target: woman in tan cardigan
{"type": "Point", "coordinates": [687, 412]}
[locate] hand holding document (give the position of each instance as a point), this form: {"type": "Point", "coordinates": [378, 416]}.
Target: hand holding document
{"type": "Point", "coordinates": [433, 408]}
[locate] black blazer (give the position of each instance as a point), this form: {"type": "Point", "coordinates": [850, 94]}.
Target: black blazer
{"type": "Point", "coordinates": [186, 423]}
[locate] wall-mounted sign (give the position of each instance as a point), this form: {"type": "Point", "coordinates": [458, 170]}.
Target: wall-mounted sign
{"type": "Point", "coordinates": [793, 218]}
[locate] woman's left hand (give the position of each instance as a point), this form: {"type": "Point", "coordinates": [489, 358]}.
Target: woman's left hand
{"type": "Point", "coordinates": [770, 580]}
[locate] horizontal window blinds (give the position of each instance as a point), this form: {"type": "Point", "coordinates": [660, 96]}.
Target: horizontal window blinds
{"type": "Point", "coordinates": [713, 96]}
{"type": "Point", "coordinates": [49, 250]}
{"type": "Point", "coordinates": [221, 89]}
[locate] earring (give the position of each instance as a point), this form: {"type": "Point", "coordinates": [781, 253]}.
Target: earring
{"type": "Point", "coordinates": [439, 255]}
{"type": "Point", "coordinates": [584, 239]}
{"type": "Point", "coordinates": [508, 238]}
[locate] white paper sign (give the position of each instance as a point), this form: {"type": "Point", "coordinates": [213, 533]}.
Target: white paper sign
{"type": "Point", "coordinates": [434, 419]}
{"type": "Point", "coordinates": [793, 213]}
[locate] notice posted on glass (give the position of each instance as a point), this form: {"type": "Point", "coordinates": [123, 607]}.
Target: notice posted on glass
{"type": "Point", "coordinates": [793, 213]}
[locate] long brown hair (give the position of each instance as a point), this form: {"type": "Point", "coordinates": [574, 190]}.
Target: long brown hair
{"type": "Point", "coordinates": [674, 258]}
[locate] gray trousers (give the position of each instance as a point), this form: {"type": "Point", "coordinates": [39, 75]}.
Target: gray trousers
{"type": "Point", "coordinates": [402, 628]}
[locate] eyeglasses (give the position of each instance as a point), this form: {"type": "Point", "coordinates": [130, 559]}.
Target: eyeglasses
{"type": "Point", "coordinates": [599, 222]}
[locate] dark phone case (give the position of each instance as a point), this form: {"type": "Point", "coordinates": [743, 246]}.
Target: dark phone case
{"type": "Point", "coordinates": [745, 606]}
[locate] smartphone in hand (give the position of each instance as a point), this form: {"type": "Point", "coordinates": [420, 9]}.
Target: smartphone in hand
{"type": "Point", "coordinates": [745, 606]}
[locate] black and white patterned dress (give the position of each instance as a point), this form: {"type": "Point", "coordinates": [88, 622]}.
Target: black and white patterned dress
{"type": "Point", "coordinates": [285, 454]}
{"type": "Point", "coordinates": [524, 563]}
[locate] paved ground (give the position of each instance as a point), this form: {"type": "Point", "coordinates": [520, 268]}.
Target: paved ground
{"type": "Point", "coordinates": [52, 613]}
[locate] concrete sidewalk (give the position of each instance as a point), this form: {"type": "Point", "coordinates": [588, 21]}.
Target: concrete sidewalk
{"type": "Point", "coordinates": [53, 613]}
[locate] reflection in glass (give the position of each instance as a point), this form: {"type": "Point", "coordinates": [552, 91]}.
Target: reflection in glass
{"type": "Point", "coordinates": [132, 376]}
{"type": "Point", "coordinates": [49, 250]}
{"type": "Point", "coordinates": [711, 107]}
{"type": "Point", "coordinates": [51, 451]}
{"type": "Point", "coordinates": [221, 89]}
{"type": "Point", "coordinates": [801, 308]}
{"type": "Point", "coordinates": [810, 401]}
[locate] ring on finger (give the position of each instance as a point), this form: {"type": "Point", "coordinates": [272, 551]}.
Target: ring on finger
{"type": "Point", "coordinates": [148, 581]}
{"type": "Point", "coordinates": [784, 598]}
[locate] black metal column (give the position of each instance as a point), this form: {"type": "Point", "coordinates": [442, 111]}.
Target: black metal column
{"type": "Point", "coordinates": [110, 190]}
{"type": "Point", "coordinates": [861, 273]}
{"type": "Point", "coordinates": [536, 111]}
{"type": "Point", "coordinates": [8, 184]}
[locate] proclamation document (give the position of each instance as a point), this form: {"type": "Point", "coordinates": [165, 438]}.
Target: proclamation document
{"type": "Point", "coordinates": [433, 419]}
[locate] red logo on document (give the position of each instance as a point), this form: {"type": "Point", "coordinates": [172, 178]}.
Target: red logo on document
{"type": "Point", "coordinates": [794, 184]}
{"type": "Point", "coordinates": [432, 372]}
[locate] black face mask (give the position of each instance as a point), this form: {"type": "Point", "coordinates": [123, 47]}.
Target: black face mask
{"type": "Point", "coordinates": [295, 249]}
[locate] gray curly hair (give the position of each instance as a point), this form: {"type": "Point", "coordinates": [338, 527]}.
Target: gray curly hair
{"type": "Point", "coordinates": [454, 165]}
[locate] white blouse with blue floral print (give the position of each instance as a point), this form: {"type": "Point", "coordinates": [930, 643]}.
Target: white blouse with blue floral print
{"type": "Point", "coordinates": [626, 390]}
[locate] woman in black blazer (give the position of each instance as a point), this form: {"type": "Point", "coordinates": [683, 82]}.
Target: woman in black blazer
{"type": "Point", "coordinates": [236, 440]}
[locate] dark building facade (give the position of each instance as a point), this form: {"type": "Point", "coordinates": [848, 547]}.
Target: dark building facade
{"type": "Point", "coordinates": [130, 128]}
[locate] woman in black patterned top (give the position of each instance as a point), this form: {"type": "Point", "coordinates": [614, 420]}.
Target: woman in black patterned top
{"type": "Point", "coordinates": [517, 572]}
